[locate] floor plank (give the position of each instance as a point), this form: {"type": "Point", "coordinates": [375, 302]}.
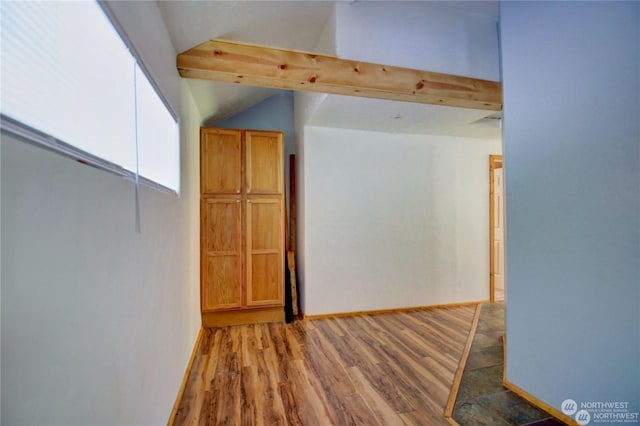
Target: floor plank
{"type": "Point", "coordinates": [387, 369]}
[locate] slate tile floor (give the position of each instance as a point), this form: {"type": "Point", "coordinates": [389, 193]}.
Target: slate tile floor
{"type": "Point", "coordinates": [482, 400]}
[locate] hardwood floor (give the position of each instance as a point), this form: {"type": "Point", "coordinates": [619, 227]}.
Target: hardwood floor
{"type": "Point", "coordinates": [385, 369]}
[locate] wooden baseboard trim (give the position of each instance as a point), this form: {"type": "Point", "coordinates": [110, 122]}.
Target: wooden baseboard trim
{"type": "Point", "coordinates": [540, 404]}
{"type": "Point", "coordinates": [185, 379]}
{"type": "Point", "coordinates": [248, 316]}
{"type": "Point", "coordinates": [448, 412]}
{"type": "Point", "coordinates": [393, 310]}
{"type": "Point", "coordinates": [451, 402]}
{"type": "Point", "coordinates": [530, 398]}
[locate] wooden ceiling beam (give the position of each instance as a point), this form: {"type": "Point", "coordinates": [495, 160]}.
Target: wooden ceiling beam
{"type": "Point", "coordinates": [241, 63]}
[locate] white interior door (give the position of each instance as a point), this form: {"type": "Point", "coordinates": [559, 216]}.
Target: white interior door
{"type": "Point", "coordinates": [498, 233]}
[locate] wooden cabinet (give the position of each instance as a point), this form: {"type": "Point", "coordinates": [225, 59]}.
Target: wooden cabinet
{"type": "Point", "coordinates": [221, 234]}
{"type": "Point", "coordinates": [220, 162]}
{"type": "Point", "coordinates": [242, 226]}
{"type": "Point", "coordinates": [265, 254]}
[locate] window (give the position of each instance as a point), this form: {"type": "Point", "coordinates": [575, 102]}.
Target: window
{"type": "Point", "coordinates": [70, 82]}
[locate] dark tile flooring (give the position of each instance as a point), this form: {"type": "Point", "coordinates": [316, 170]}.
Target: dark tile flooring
{"type": "Point", "coordinates": [482, 400]}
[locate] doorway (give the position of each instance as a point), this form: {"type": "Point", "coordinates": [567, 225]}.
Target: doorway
{"type": "Point", "coordinates": [496, 229]}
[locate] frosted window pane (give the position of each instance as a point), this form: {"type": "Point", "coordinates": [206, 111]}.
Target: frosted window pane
{"type": "Point", "coordinates": [157, 134]}
{"type": "Point", "coordinates": [67, 73]}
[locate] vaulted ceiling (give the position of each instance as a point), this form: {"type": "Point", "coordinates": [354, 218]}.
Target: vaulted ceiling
{"type": "Point", "coordinates": [290, 24]}
{"type": "Point", "coordinates": [299, 25]}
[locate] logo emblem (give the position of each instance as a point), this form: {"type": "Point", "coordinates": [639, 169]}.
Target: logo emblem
{"type": "Point", "coordinates": [569, 407]}
{"type": "Point", "coordinates": [583, 417]}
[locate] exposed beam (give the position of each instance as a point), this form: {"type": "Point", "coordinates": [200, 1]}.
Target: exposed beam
{"type": "Point", "coordinates": [241, 63]}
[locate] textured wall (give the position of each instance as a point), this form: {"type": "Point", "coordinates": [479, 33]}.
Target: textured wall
{"type": "Point", "coordinates": [394, 220]}
{"type": "Point", "coordinates": [572, 161]}
{"type": "Point", "coordinates": [98, 322]}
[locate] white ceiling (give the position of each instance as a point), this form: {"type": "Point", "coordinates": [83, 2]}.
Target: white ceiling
{"type": "Point", "coordinates": [299, 25]}
{"type": "Point", "coordinates": [403, 117]}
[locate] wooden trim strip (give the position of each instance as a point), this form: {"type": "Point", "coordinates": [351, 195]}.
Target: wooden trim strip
{"type": "Point", "coordinates": [185, 379]}
{"type": "Point", "coordinates": [530, 398]}
{"type": "Point", "coordinates": [242, 63]}
{"type": "Point", "coordinates": [251, 315]}
{"type": "Point", "coordinates": [448, 411]}
{"type": "Point", "coordinates": [451, 421]}
{"type": "Point", "coordinates": [391, 311]}
{"type": "Point", "coordinates": [540, 404]}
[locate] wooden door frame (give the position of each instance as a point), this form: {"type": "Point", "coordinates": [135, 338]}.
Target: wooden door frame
{"type": "Point", "coordinates": [495, 162]}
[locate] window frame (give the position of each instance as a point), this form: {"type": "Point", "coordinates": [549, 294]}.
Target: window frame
{"type": "Point", "coordinates": [43, 140]}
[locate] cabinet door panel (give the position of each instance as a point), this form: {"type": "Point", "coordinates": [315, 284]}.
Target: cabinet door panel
{"type": "Point", "coordinates": [265, 252]}
{"type": "Point", "coordinates": [266, 281]}
{"type": "Point", "coordinates": [221, 282]}
{"type": "Point", "coordinates": [221, 225]}
{"type": "Point", "coordinates": [264, 159]}
{"type": "Point", "coordinates": [266, 231]}
{"type": "Point", "coordinates": [221, 253]}
{"type": "Point", "coordinates": [220, 161]}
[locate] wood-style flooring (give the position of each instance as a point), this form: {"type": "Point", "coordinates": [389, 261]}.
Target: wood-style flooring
{"type": "Point", "coordinates": [383, 369]}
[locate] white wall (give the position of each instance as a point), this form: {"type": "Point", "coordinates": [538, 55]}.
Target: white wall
{"type": "Point", "coordinates": [422, 35]}
{"type": "Point", "coordinates": [326, 43]}
{"type": "Point", "coordinates": [572, 162]}
{"type": "Point", "coordinates": [304, 105]}
{"type": "Point", "coordinates": [98, 322]}
{"type": "Point", "coordinates": [424, 266]}
{"type": "Point", "coordinates": [393, 220]}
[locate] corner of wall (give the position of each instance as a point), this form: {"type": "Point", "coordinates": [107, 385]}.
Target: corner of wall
{"type": "Point", "coordinates": [301, 219]}
{"type": "Point", "coordinates": [326, 42]}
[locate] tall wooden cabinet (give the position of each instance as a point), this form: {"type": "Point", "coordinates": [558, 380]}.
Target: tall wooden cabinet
{"type": "Point", "coordinates": [242, 226]}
